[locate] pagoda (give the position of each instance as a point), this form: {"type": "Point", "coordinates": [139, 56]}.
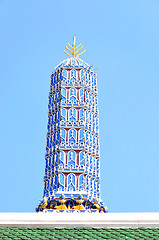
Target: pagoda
{"type": "Point", "coordinates": [72, 158]}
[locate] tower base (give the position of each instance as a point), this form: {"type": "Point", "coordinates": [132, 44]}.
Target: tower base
{"type": "Point", "coordinates": [72, 205]}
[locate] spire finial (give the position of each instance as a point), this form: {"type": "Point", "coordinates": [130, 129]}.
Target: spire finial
{"type": "Point", "coordinates": [74, 41]}
{"type": "Point", "coordinates": [73, 51]}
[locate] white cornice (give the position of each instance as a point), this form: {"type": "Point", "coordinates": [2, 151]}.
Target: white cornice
{"type": "Point", "coordinates": [69, 220]}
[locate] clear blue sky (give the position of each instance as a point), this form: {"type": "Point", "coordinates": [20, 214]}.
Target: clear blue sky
{"type": "Point", "coordinates": [122, 39]}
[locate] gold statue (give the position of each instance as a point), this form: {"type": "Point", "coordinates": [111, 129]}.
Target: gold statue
{"type": "Point", "coordinates": [80, 205]}
{"type": "Point", "coordinates": [73, 49]}
{"type": "Point", "coordinates": [62, 206]}
{"type": "Point", "coordinates": [96, 205]}
{"type": "Point", "coordinates": [45, 203]}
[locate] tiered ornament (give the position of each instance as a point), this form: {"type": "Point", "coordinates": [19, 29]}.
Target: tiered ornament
{"type": "Point", "coordinates": [72, 159]}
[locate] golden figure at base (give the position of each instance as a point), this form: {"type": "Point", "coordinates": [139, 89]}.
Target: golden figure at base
{"type": "Point", "coordinates": [45, 202]}
{"type": "Point", "coordinates": [96, 205]}
{"type": "Point", "coordinates": [62, 206]}
{"type": "Point", "coordinates": [79, 206]}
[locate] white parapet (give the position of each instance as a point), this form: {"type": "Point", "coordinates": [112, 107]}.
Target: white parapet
{"type": "Point", "coordinates": [70, 220]}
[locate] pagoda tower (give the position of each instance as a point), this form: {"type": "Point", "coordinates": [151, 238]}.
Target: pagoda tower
{"type": "Point", "coordinates": [72, 158]}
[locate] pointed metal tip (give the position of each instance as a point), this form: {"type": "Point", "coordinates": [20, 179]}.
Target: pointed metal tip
{"type": "Point", "coordinates": [74, 40]}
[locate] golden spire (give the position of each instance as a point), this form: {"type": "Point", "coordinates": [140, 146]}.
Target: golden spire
{"type": "Point", "coordinates": [73, 49]}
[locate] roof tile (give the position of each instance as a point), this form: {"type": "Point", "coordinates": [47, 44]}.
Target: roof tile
{"type": "Point", "coordinates": [79, 233]}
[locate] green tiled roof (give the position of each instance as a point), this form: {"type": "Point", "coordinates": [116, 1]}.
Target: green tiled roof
{"type": "Point", "coordinates": [79, 233]}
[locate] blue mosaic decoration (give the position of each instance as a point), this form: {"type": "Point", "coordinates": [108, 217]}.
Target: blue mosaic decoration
{"type": "Point", "coordinates": [72, 159]}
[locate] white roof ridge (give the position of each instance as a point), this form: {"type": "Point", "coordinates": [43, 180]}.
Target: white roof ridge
{"type": "Point", "coordinates": [70, 220]}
